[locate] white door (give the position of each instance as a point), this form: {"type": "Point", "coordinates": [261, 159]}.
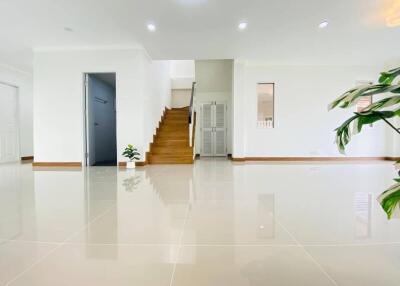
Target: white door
{"type": "Point", "coordinates": [9, 145]}
{"type": "Point", "coordinates": [213, 129]}
{"type": "Point", "coordinates": [219, 129]}
{"type": "Point", "coordinates": [207, 129]}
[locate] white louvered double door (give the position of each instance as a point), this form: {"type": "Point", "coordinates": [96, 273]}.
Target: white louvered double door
{"type": "Point", "coordinates": [213, 129]}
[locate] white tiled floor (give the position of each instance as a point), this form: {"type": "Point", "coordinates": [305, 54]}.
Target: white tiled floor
{"type": "Point", "coordinates": [213, 223]}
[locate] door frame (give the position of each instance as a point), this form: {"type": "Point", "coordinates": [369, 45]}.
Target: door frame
{"type": "Point", "coordinates": [85, 110]}
{"type": "Point", "coordinates": [17, 119]}
{"type": "Point", "coordinates": [85, 119]}
{"type": "Point", "coordinates": [213, 102]}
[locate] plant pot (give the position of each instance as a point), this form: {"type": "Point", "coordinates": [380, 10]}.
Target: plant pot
{"type": "Point", "coordinates": [130, 165]}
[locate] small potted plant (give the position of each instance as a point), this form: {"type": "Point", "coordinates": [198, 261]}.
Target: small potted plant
{"type": "Point", "coordinates": [132, 154]}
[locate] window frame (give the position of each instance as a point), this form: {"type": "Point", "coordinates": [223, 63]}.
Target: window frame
{"type": "Point", "coordinates": [273, 105]}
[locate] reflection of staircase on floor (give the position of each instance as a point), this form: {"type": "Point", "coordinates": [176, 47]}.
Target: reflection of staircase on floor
{"type": "Point", "coordinates": [172, 183]}
{"type": "Point", "coordinates": [171, 142]}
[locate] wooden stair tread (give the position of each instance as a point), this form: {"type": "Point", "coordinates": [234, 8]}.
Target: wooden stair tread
{"type": "Point", "coordinates": [171, 156]}
{"type": "Point", "coordinates": [169, 151]}
{"type": "Point", "coordinates": [171, 142]}
{"type": "Point", "coordinates": [172, 136]}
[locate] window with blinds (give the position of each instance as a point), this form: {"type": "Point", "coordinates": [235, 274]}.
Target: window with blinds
{"type": "Point", "coordinates": [364, 101]}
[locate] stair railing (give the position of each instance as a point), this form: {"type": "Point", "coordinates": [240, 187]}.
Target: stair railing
{"type": "Point", "coordinates": [192, 117]}
{"type": "Point", "coordinates": [191, 108]}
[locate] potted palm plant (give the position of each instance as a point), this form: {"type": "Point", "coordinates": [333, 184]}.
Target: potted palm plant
{"type": "Point", "coordinates": [385, 109]}
{"type": "Point", "coordinates": [132, 154]}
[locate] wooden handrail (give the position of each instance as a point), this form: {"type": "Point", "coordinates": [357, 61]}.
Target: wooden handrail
{"type": "Point", "coordinates": [193, 129]}
{"type": "Point", "coordinates": [191, 102]}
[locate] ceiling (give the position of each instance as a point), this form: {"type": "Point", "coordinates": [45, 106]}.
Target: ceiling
{"type": "Point", "coordinates": [279, 31]}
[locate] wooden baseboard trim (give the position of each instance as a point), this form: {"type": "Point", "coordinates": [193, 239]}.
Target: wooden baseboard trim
{"type": "Point", "coordinates": [238, 159]}
{"type": "Point", "coordinates": [392, 158]}
{"type": "Point", "coordinates": [312, 159]}
{"type": "Point", "coordinates": [26, 158]}
{"type": "Point", "coordinates": [141, 163]}
{"type": "Point", "coordinates": [57, 164]}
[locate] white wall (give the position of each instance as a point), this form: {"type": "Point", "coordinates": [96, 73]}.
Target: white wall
{"type": "Point", "coordinates": [24, 82]}
{"type": "Point", "coordinates": [396, 137]}
{"type": "Point", "coordinates": [238, 110]}
{"type": "Point", "coordinates": [214, 81]}
{"type": "Point", "coordinates": [180, 97]}
{"type": "Point", "coordinates": [182, 73]}
{"type": "Point", "coordinates": [182, 69]}
{"type": "Point", "coordinates": [158, 90]}
{"type": "Point", "coordinates": [58, 100]}
{"type": "Point", "coordinates": [303, 126]}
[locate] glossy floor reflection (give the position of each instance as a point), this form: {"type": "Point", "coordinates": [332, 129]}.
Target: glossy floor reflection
{"type": "Point", "coordinates": [212, 223]}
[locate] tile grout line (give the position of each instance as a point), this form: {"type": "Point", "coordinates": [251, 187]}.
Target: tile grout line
{"type": "Point", "coordinates": [57, 247]}
{"type": "Point", "coordinates": [319, 266]}
{"type": "Point", "coordinates": [352, 244]}
{"type": "Point", "coordinates": [186, 244]}
{"type": "Point", "coordinates": [179, 246]}
{"type": "Point", "coordinates": [32, 242]}
{"type": "Point", "coordinates": [295, 244]}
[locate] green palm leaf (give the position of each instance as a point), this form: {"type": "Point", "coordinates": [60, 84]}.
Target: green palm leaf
{"type": "Point", "coordinates": [354, 125]}
{"type": "Point", "coordinates": [351, 97]}
{"type": "Point", "coordinates": [383, 109]}
{"type": "Point", "coordinates": [374, 112]}
{"type": "Point", "coordinates": [389, 76]}
{"type": "Point", "coordinates": [384, 103]}
{"type": "Point", "coordinates": [390, 199]}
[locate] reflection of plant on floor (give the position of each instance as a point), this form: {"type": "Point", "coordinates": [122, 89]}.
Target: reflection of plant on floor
{"type": "Point", "coordinates": [131, 183]}
{"type": "Point", "coordinates": [385, 109]}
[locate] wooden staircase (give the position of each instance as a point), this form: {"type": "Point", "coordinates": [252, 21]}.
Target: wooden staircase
{"type": "Point", "coordinates": [171, 142]}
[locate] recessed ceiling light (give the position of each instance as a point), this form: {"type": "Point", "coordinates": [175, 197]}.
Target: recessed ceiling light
{"type": "Point", "coordinates": [151, 27]}
{"type": "Point", "coordinates": [323, 25]}
{"type": "Point", "coordinates": [68, 29]}
{"type": "Point", "coordinates": [242, 25]}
